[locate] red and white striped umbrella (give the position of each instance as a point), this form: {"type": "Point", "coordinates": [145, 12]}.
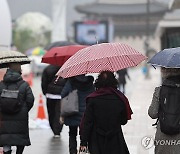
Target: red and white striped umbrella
{"type": "Point", "coordinates": [101, 57]}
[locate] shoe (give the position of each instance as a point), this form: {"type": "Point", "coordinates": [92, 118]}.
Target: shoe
{"type": "Point", "coordinates": [56, 136]}
{"type": "Point", "coordinates": [8, 152]}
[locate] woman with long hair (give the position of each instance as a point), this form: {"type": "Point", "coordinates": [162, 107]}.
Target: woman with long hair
{"type": "Point", "coordinates": [106, 110]}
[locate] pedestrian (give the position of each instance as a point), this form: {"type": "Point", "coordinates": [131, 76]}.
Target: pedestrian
{"type": "Point", "coordinates": [52, 90]}
{"type": "Point", "coordinates": [106, 110]}
{"type": "Point", "coordinates": [122, 79]}
{"type": "Point", "coordinates": [14, 129]}
{"type": "Point", "coordinates": [165, 107]}
{"type": "Point", "coordinates": [84, 85]}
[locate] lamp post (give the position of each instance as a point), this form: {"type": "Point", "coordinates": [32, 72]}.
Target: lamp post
{"type": "Point", "coordinates": [146, 43]}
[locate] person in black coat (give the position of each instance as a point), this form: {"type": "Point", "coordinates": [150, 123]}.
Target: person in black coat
{"type": "Point", "coordinates": [122, 79]}
{"type": "Point", "coordinates": [14, 129]}
{"type": "Point", "coordinates": [106, 110]}
{"type": "Point", "coordinates": [84, 85]}
{"type": "Point", "coordinates": [52, 90]}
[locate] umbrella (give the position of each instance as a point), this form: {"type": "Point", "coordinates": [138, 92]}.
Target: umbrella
{"type": "Point", "coordinates": [7, 57]}
{"type": "Point", "coordinates": [99, 57]}
{"type": "Point", "coordinates": [58, 44]}
{"type": "Point", "coordinates": [38, 51]}
{"type": "Point", "coordinates": [169, 58]}
{"type": "Point", "coordinates": [58, 55]}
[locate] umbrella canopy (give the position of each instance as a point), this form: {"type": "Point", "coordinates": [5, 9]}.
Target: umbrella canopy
{"type": "Point", "coordinates": [168, 58]}
{"type": "Point", "coordinates": [100, 57]}
{"type": "Point", "coordinates": [38, 51]}
{"type": "Point", "coordinates": [58, 44]}
{"type": "Point", "coordinates": [7, 57]}
{"type": "Point", "coordinates": [59, 55]}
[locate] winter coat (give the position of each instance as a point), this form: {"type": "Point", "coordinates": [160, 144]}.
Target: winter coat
{"type": "Point", "coordinates": [122, 76]}
{"type": "Point", "coordinates": [14, 129]}
{"type": "Point", "coordinates": [48, 78]}
{"type": "Point", "coordinates": [84, 85]}
{"type": "Point", "coordinates": [160, 138]}
{"type": "Point", "coordinates": [101, 130]}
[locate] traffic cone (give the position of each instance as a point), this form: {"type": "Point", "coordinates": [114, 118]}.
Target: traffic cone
{"type": "Point", "coordinates": [30, 81]}
{"type": "Point", "coordinates": [41, 112]}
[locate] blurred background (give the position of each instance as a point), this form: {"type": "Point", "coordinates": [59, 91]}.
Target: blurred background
{"type": "Point", "coordinates": [147, 25]}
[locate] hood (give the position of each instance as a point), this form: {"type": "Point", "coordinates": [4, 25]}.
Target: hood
{"type": "Point", "coordinates": [12, 76]}
{"type": "Point", "coordinates": [82, 82]}
{"type": "Point", "coordinates": [173, 81]}
{"type": "Point", "coordinates": [81, 78]}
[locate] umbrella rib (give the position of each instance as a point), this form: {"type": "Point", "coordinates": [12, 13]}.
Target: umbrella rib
{"type": "Point", "coordinates": [130, 59]}
{"type": "Point", "coordinates": [169, 61]}
{"type": "Point", "coordinates": [110, 63]}
{"type": "Point", "coordinates": [79, 63]}
{"type": "Point", "coordinates": [13, 57]}
{"type": "Point", "coordinates": [106, 57]}
{"type": "Point", "coordinates": [87, 66]}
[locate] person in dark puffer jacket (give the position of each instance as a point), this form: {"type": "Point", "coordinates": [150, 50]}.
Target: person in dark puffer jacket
{"type": "Point", "coordinates": [14, 129]}
{"type": "Point", "coordinates": [84, 85]}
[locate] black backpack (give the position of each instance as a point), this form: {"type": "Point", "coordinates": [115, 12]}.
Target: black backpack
{"type": "Point", "coordinates": [10, 101]}
{"type": "Point", "coordinates": [169, 110]}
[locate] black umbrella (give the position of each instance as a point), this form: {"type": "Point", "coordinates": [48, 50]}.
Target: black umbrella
{"type": "Point", "coordinates": [58, 44]}
{"type": "Point", "coordinates": [168, 58]}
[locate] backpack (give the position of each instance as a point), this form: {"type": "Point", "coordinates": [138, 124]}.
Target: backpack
{"type": "Point", "coordinates": [169, 110]}
{"type": "Point", "coordinates": [10, 102]}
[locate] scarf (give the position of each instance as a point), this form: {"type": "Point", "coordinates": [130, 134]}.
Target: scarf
{"type": "Point", "coordinates": [110, 90]}
{"type": "Point", "coordinates": [106, 91]}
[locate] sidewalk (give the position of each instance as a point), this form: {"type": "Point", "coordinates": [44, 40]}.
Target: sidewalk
{"type": "Point", "coordinates": [141, 124]}
{"type": "Point", "coordinates": [139, 93]}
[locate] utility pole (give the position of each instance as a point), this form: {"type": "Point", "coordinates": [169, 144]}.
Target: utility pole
{"type": "Point", "coordinates": [59, 20]}
{"type": "Point", "coordinates": [146, 43]}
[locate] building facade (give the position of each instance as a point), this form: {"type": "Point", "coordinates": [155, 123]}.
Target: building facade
{"type": "Point", "coordinates": [133, 22]}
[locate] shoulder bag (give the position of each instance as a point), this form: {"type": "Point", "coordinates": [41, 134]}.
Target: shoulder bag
{"type": "Point", "coordinates": [70, 104]}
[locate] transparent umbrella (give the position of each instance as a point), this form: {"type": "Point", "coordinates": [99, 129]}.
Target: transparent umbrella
{"type": "Point", "coordinates": [9, 56]}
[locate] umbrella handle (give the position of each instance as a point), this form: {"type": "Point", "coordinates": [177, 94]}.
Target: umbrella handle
{"type": "Point", "coordinates": [56, 79]}
{"type": "Point", "coordinates": [154, 67]}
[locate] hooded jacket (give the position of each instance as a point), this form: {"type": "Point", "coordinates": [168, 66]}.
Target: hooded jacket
{"type": "Point", "coordinates": [84, 85]}
{"type": "Point", "coordinates": [48, 78]}
{"type": "Point", "coordinates": [14, 128]}
{"type": "Point", "coordinates": [153, 112]}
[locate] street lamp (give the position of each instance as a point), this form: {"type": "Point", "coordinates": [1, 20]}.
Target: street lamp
{"type": "Point", "coordinates": [146, 42]}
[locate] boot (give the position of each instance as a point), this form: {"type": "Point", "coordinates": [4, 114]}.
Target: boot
{"type": "Point", "coordinates": [8, 152]}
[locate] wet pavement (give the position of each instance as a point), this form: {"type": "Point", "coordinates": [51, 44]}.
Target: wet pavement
{"type": "Point", "coordinates": [43, 142]}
